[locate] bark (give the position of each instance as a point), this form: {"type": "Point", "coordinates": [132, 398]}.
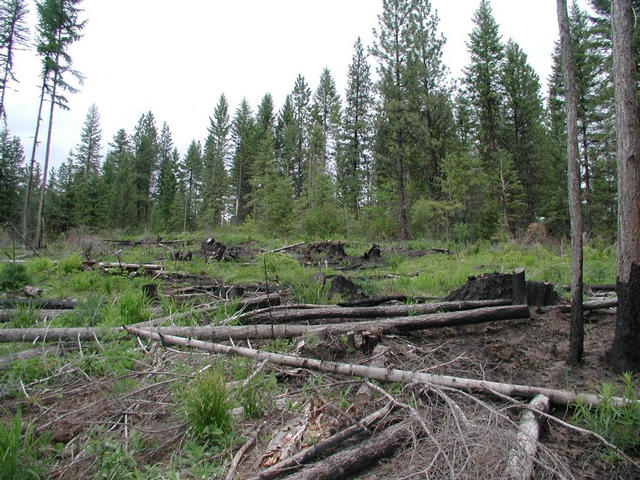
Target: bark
{"type": "Point", "coordinates": [519, 287]}
{"type": "Point", "coordinates": [558, 397]}
{"type": "Point", "coordinates": [521, 457]}
{"type": "Point", "coordinates": [417, 322]}
{"type": "Point", "coordinates": [576, 333]}
{"type": "Point", "coordinates": [329, 313]}
{"type": "Point", "coordinates": [624, 353]}
{"type": "Point", "coordinates": [344, 463]}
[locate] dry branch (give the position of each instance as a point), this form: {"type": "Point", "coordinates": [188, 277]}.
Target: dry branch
{"type": "Point", "coordinates": [559, 397]}
{"type": "Point", "coordinates": [353, 460]}
{"type": "Point", "coordinates": [314, 451]}
{"type": "Point", "coordinates": [286, 247]}
{"type": "Point", "coordinates": [521, 457]}
{"type": "Point", "coordinates": [325, 313]}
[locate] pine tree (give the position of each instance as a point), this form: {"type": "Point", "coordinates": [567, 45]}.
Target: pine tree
{"type": "Point", "coordinates": [524, 137]}
{"type": "Point", "coordinates": [167, 182]}
{"type": "Point", "coordinates": [286, 134]}
{"type": "Point", "coordinates": [393, 136]}
{"type": "Point", "coordinates": [145, 160]}
{"type": "Point", "coordinates": [243, 140]}
{"type": "Point", "coordinates": [217, 149]}
{"type": "Point", "coordinates": [59, 27]}
{"type": "Point", "coordinates": [191, 176]}
{"type": "Point", "coordinates": [300, 102]}
{"type": "Point", "coordinates": [14, 34]}
{"type": "Point", "coordinates": [353, 169]}
{"type": "Point", "coordinates": [120, 183]}
{"type": "Point", "coordinates": [327, 116]}
{"type": "Point", "coordinates": [11, 160]}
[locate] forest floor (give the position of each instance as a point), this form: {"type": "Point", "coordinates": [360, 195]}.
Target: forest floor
{"type": "Point", "coordinates": [123, 408]}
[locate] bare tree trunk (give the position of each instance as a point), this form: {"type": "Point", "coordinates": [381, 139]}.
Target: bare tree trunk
{"type": "Point", "coordinates": [576, 334]}
{"type": "Point", "coordinates": [27, 198]}
{"type": "Point", "coordinates": [625, 354]}
{"type": "Point", "coordinates": [43, 187]}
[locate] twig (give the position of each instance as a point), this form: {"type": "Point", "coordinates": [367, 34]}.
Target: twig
{"type": "Point", "coordinates": [238, 456]}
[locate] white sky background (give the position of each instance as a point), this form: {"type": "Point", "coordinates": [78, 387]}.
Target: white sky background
{"type": "Point", "coordinates": [175, 58]}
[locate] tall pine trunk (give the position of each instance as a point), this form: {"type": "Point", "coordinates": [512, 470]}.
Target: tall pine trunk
{"type": "Point", "coordinates": [27, 197]}
{"type": "Point", "coordinates": [625, 352]}
{"type": "Point", "coordinates": [43, 188]}
{"type": "Point", "coordinates": [576, 333]}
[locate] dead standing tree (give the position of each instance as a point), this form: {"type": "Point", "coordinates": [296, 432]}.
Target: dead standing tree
{"type": "Point", "coordinates": [624, 354]}
{"type": "Point", "coordinates": [576, 335]}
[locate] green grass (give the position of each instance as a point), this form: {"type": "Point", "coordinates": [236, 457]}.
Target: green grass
{"type": "Point", "coordinates": [13, 276]}
{"type": "Point", "coordinates": [20, 453]}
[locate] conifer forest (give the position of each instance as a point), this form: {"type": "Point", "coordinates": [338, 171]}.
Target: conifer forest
{"type": "Point", "coordinates": [402, 273]}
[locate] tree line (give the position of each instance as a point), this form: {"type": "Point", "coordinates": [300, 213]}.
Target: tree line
{"type": "Point", "coordinates": [407, 152]}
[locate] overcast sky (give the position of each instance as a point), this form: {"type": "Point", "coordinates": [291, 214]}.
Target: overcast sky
{"type": "Point", "coordinates": [176, 58]}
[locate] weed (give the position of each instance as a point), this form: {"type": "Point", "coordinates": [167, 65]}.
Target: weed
{"type": "Point", "coordinates": [257, 396]}
{"type": "Point", "coordinates": [279, 345]}
{"type": "Point", "coordinates": [21, 453]}
{"type": "Point", "coordinates": [114, 459]}
{"type": "Point", "coordinates": [131, 307]}
{"type": "Point", "coordinates": [208, 407]}
{"type": "Point", "coordinates": [618, 424]}
{"type": "Point", "coordinates": [13, 276]}
{"type": "Point", "coordinates": [115, 357]}
{"type": "Point", "coordinates": [311, 291]}
{"type": "Point", "coordinates": [70, 263]}
{"type": "Point", "coordinates": [26, 316]}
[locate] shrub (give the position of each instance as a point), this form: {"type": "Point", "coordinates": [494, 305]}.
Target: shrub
{"type": "Point", "coordinates": [70, 263]}
{"type": "Point", "coordinates": [619, 424]}
{"type": "Point", "coordinates": [13, 276]}
{"type": "Point", "coordinates": [208, 407]}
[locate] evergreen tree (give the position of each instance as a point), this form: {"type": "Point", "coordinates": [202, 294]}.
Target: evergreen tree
{"type": "Point", "coordinates": [392, 145]}
{"type": "Point", "coordinates": [353, 169]}
{"type": "Point", "coordinates": [145, 160]}
{"type": "Point", "coordinates": [217, 149]}
{"type": "Point", "coordinates": [243, 141]}
{"type": "Point", "coordinates": [89, 150]}
{"type": "Point", "coordinates": [524, 137]}
{"type": "Point", "coordinates": [14, 34]}
{"type": "Point", "coordinates": [167, 182]}
{"type": "Point", "coordinates": [191, 176]}
{"type": "Point", "coordinates": [58, 28]}
{"type": "Point", "coordinates": [300, 102]}
{"type": "Point", "coordinates": [327, 117]}
{"type": "Point", "coordinates": [286, 134]}
{"type": "Point", "coordinates": [11, 160]}
{"type": "Point", "coordinates": [120, 183]}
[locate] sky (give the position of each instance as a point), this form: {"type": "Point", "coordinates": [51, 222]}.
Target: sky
{"type": "Point", "coordinates": [176, 58]}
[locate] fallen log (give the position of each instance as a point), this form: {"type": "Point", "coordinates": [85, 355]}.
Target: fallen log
{"type": "Point", "coordinates": [594, 305]}
{"type": "Point", "coordinates": [417, 322]}
{"type": "Point", "coordinates": [328, 313]}
{"type": "Point", "coordinates": [314, 451]}
{"type": "Point", "coordinates": [51, 303]}
{"type": "Point", "coordinates": [373, 302]}
{"type": "Point", "coordinates": [344, 463]}
{"type": "Point", "coordinates": [521, 457]}
{"type": "Point", "coordinates": [286, 247]}
{"type": "Point", "coordinates": [558, 397]}
{"type": "Point", "coordinates": [131, 267]}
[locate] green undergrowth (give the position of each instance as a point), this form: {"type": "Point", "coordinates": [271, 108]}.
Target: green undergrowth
{"type": "Point", "coordinates": [619, 424]}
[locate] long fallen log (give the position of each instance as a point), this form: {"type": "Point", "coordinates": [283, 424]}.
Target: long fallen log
{"type": "Point", "coordinates": [559, 397]}
{"type": "Point", "coordinates": [521, 457]}
{"type": "Point", "coordinates": [346, 462]}
{"type": "Point", "coordinates": [314, 451]}
{"type": "Point", "coordinates": [51, 303]}
{"type": "Point", "coordinates": [593, 305]}
{"type": "Point", "coordinates": [125, 266]}
{"type": "Point", "coordinates": [436, 320]}
{"type": "Point", "coordinates": [327, 314]}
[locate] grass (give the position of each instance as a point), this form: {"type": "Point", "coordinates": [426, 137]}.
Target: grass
{"type": "Point", "coordinates": [13, 276]}
{"type": "Point", "coordinates": [20, 453]}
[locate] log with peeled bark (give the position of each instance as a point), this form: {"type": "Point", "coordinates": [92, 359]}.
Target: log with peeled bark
{"type": "Point", "coordinates": [437, 320]}
{"type": "Point", "coordinates": [558, 397]}
{"type": "Point", "coordinates": [329, 313]}
{"type": "Point", "coordinates": [132, 267]}
{"type": "Point", "coordinates": [521, 457]}
{"type": "Point", "coordinates": [346, 462]}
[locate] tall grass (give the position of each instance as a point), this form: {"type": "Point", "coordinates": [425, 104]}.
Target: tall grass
{"type": "Point", "coordinates": [20, 454]}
